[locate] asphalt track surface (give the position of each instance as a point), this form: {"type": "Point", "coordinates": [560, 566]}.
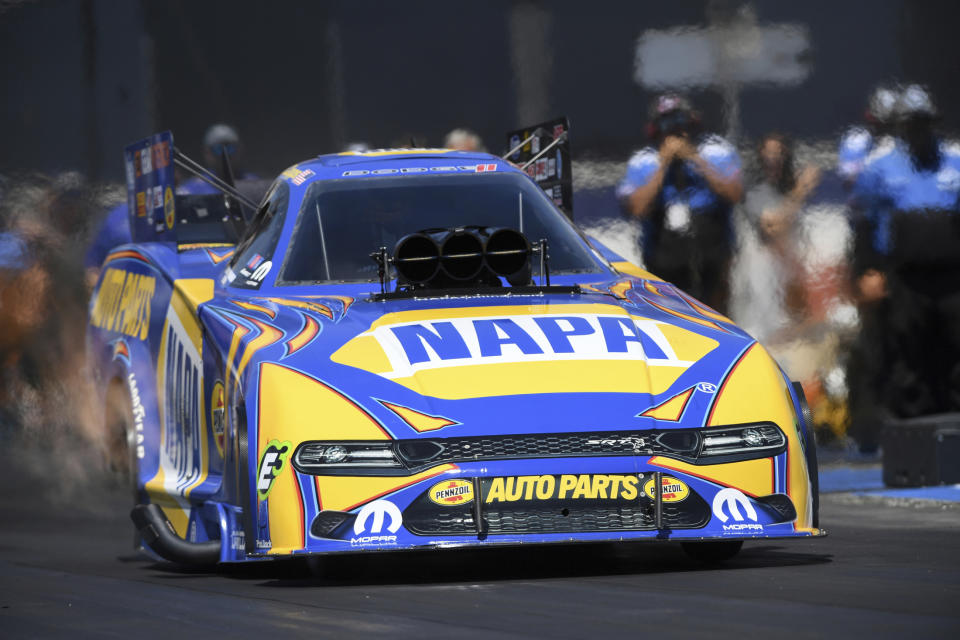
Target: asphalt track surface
{"type": "Point", "coordinates": [67, 569]}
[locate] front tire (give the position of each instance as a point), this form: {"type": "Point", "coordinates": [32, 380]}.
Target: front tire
{"type": "Point", "coordinates": [712, 552]}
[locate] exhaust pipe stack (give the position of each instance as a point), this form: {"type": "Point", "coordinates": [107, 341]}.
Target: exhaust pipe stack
{"type": "Point", "coordinates": [156, 531]}
{"type": "Point", "coordinates": [441, 258]}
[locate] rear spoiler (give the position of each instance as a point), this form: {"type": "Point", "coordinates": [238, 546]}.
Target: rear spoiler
{"type": "Point", "coordinates": [158, 214]}
{"type": "Point", "coordinates": [543, 151]}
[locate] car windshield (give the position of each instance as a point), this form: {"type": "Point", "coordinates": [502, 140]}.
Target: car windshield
{"type": "Point", "coordinates": [341, 222]}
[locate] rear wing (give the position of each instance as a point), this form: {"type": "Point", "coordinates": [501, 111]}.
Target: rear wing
{"type": "Point", "coordinates": [543, 151]}
{"type": "Point", "coordinates": [158, 214]}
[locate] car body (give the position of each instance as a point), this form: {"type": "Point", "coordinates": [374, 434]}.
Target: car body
{"type": "Point", "coordinates": [274, 414]}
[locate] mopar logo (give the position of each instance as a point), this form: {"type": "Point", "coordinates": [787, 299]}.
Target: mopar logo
{"type": "Point", "coordinates": [733, 500]}
{"type": "Point", "coordinates": [378, 509]}
{"type": "Point", "coordinates": [467, 341]}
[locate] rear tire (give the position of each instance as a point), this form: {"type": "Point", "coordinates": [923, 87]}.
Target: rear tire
{"type": "Point", "coordinates": [712, 552]}
{"type": "Point", "coordinates": [120, 436]}
{"type": "Point", "coordinates": [122, 460]}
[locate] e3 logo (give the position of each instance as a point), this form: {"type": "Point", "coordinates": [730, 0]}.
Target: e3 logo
{"type": "Point", "coordinates": [271, 464]}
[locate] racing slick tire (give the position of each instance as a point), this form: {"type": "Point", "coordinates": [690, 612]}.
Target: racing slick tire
{"type": "Point", "coordinates": [121, 454]}
{"type": "Point", "coordinates": [810, 451]}
{"type": "Point", "coordinates": [712, 552]}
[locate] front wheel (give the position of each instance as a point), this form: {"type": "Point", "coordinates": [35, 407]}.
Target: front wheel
{"type": "Point", "coordinates": [713, 552]}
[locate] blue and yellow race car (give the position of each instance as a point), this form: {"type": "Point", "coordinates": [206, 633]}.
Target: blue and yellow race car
{"type": "Point", "coordinates": [417, 349]}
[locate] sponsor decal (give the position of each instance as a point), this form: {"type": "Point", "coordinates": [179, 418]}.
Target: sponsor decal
{"type": "Point", "coordinates": [564, 487]}
{"type": "Point", "coordinates": [183, 457]}
{"type": "Point", "coordinates": [138, 170]}
{"type": "Point", "coordinates": [706, 387]}
{"type": "Point", "coordinates": [259, 273]}
{"type": "Point", "coordinates": [217, 414]}
{"type": "Point", "coordinates": [671, 489]}
{"type": "Point", "coordinates": [141, 204]}
{"type": "Point", "coordinates": [301, 177]}
{"type": "Point", "coordinates": [413, 346]}
{"type": "Point", "coordinates": [254, 261]}
{"type": "Point", "coordinates": [541, 170]}
{"type": "Point", "coordinates": [161, 155]}
{"type": "Point", "coordinates": [452, 493]}
{"type": "Point", "coordinates": [146, 161]}
{"type": "Point", "coordinates": [139, 413]}
{"type": "Point", "coordinates": [123, 303]}
{"type": "Point", "coordinates": [168, 208]}
{"type": "Point", "coordinates": [559, 165]}
{"type": "Point", "coordinates": [468, 168]}
{"type": "Point", "coordinates": [557, 131]}
{"type": "Point", "coordinates": [238, 540]}
{"type": "Point", "coordinates": [551, 167]}
{"type": "Point", "coordinates": [535, 145]}
{"type": "Point", "coordinates": [514, 143]}
{"type": "Point", "coordinates": [731, 501]}
{"type": "Point", "coordinates": [157, 197]}
{"type": "Point", "coordinates": [371, 520]}
{"type": "Point", "coordinates": [272, 463]}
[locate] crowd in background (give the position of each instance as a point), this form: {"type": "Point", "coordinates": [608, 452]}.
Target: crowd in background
{"type": "Point", "coordinates": [804, 257]}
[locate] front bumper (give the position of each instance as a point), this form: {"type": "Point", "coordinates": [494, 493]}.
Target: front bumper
{"type": "Point", "coordinates": [511, 502]}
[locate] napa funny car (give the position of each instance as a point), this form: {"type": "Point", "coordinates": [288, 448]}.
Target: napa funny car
{"type": "Point", "coordinates": [417, 349]}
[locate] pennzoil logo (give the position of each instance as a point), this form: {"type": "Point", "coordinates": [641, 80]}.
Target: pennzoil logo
{"type": "Point", "coordinates": [671, 489]}
{"type": "Point", "coordinates": [217, 414]}
{"type": "Point", "coordinates": [123, 303]}
{"type": "Point", "coordinates": [168, 208]}
{"type": "Point", "coordinates": [452, 493]}
{"type": "Point", "coordinates": [564, 487]}
{"type": "Point", "coordinates": [272, 463]}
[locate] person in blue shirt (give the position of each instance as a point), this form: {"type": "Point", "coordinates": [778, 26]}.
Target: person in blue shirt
{"type": "Point", "coordinates": [907, 272]}
{"type": "Point", "coordinates": [682, 188]}
{"type": "Point", "coordinates": [857, 141]}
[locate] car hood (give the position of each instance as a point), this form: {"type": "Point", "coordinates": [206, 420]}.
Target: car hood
{"type": "Point", "coordinates": [621, 354]}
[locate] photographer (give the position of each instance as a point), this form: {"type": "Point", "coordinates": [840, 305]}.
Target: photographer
{"type": "Point", "coordinates": [683, 189]}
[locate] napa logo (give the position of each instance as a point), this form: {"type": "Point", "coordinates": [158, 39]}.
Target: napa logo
{"type": "Point", "coordinates": [414, 346]}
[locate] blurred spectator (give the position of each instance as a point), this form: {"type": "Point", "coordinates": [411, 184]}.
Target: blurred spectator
{"type": "Point", "coordinates": [907, 274]}
{"type": "Point", "coordinates": [776, 292]}
{"type": "Point", "coordinates": [463, 140]}
{"type": "Point", "coordinates": [683, 188]}
{"type": "Point", "coordinates": [218, 140]}
{"type": "Point", "coordinates": [857, 142]}
{"type": "Point", "coordinates": [42, 298]}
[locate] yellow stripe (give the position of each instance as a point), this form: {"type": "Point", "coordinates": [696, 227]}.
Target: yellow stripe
{"type": "Point", "coordinates": [633, 270]}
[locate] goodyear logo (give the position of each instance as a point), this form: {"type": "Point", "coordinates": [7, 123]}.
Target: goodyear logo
{"type": "Point", "coordinates": [564, 487]}
{"type": "Point", "coordinates": [451, 493]}
{"type": "Point", "coordinates": [123, 303]}
{"type": "Point", "coordinates": [413, 346]}
{"type": "Point", "coordinates": [672, 490]}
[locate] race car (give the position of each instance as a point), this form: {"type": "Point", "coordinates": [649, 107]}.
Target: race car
{"type": "Point", "coordinates": [415, 348]}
